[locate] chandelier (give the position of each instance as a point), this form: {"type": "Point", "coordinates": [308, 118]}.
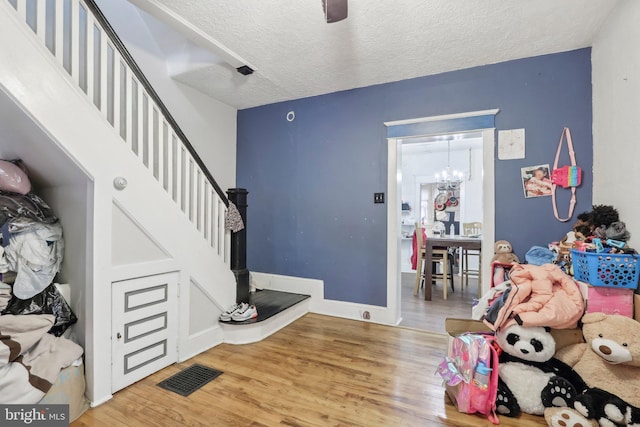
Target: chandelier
{"type": "Point", "coordinates": [449, 179]}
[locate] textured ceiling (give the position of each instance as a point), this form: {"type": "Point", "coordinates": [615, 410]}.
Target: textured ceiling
{"type": "Point", "coordinates": [296, 54]}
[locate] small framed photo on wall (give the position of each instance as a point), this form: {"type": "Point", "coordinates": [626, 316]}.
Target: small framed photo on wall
{"type": "Point", "coordinates": [536, 181]}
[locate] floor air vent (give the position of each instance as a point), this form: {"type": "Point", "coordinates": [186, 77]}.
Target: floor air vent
{"type": "Point", "coordinates": [190, 379]}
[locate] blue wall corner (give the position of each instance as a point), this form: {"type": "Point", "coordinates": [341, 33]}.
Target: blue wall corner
{"type": "Point", "coordinates": [311, 181]}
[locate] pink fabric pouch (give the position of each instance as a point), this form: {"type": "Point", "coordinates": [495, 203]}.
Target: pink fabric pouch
{"type": "Point", "coordinates": [13, 179]}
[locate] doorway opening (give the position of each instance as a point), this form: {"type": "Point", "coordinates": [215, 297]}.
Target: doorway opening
{"type": "Point", "coordinates": [479, 122]}
{"type": "Point", "coordinates": [441, 192]}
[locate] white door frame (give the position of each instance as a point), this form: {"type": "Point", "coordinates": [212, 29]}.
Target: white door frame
{"type": "Point", "coordinates": [394, 195]}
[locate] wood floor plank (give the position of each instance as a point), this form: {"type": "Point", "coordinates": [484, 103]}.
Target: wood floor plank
{"type": "Point", "coordinates": [430, 315]}
{"type": "Point", "coordinates": [318, 371]}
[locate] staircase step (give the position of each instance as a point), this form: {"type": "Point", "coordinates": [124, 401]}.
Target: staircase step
{"type": "Point", "coordinates": [269, 303]}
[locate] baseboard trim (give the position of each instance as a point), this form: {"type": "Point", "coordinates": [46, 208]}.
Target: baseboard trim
{"type": "Point", "coordinates": [298, 285]}
{"type": "Point", "coordinates": [355, 311]}
{"type": "Point", "coordinates": [98, 402]}
{"type": "Point", "coordinates": [318, 304]}
{"type": "Point", "coordinates": [254, 332]}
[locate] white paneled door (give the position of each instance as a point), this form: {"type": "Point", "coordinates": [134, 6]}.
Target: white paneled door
{"type": "Point", "coordinates": [144, 327]}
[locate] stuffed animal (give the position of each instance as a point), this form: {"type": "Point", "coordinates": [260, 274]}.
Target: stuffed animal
{"type": "Point", "coordinates": [609, 364]}
{"type": "Point", "coordinates": [531, 379]}
{"type": "Point", "coordinates": [504, 253]}
{"type": "Point", "coordinates": [567, 417]}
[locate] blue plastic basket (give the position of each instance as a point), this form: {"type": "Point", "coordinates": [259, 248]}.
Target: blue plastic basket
{"type": "Point", "coordinates": [606, 270]}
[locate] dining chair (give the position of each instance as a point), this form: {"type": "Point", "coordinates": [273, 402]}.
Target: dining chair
{"type": "Point", "coordinates": [438, 256]}
{"type": "Point", "coordinates": [471, 229]}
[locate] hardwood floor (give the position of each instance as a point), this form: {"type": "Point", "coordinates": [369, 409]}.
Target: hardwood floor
{"type": "Point", "coordinates": [318, 371]}
{"type": "Point", "coordinates": [430, 315]}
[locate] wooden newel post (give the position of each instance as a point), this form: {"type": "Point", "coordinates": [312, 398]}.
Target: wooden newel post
{"type": "Point", "coordinates": [239, 246]}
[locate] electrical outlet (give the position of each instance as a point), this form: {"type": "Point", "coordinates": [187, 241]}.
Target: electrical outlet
{"type": "Point", "coordinates": [378, 197]}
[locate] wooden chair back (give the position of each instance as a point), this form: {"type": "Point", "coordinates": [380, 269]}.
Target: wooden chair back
{"type": "Point", "coordinates": [419, 240]}
{"type": "Point", "coordinates": [471, 228]}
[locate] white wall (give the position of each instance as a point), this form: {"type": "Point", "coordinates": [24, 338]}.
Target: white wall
{"type": "Point", "coordinates": [75, 156]}
{"type": "Point", "coordinates": [129, 242]}
{"type": "Point", "coordinates": [65, 187]}
{"type": "Point", "coordinates": [421, 166]}
{"type": "Point", "coordinates": [471, 194]}
{"type": "Point", "coordinates": [70, 204]}
{"type": "Point", "coordinates": [616, 108]}
{"type": "Point", "coordinates": [68, 189]}
{"type": "Point", "coordinates": [209, 124]}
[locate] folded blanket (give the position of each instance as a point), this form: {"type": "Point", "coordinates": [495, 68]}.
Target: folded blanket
{"type": "Point", "coordinates": [30, 359]}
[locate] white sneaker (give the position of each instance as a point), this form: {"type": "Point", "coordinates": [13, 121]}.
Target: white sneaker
{"type": "Point", "coordinates": [227, 315]}
{"type": "Point", "coordinates": [245, 313]}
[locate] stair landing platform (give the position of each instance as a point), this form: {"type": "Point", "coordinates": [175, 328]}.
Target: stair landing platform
{"type": "Point", "coordinates": [276, 309]}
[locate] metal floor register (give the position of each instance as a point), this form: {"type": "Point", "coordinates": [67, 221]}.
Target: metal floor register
{"type": "Point", "coordinates": [190, 379]}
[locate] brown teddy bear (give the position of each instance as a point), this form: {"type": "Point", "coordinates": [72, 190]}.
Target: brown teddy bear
{"type": "Point", "coordinates": [504, 253]}
{"type": "Point", "coordinates": [609, 363]}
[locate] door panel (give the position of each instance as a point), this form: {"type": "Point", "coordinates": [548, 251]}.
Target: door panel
{"type": "Point", "coordinates": [144, 327]}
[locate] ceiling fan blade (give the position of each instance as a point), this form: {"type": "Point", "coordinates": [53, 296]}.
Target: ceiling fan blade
{"type": "Point", "coordinates": [335, 10]}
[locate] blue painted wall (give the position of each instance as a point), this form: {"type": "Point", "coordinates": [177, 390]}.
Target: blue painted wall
{"type": "Point", "coordinates": [311, 181]}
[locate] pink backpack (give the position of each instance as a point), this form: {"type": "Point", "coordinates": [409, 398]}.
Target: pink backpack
{"type": "Point", "coordinates": [470, 374]}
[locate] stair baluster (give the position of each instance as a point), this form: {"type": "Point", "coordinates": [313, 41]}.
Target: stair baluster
{"type": "Point", "coordinates": [81, 39]}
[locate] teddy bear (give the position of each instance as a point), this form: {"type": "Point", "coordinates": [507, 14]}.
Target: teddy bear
{"type": "Point", "coordinates": [530, 377]}
{"type": "Point", "coordinates": [609, 364]}
{"type": "Point", "coordinates": [504, 253]}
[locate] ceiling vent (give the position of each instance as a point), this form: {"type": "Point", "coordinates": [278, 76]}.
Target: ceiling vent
{"type": "Point", "coordinates": [245, 70]}
{"type": "Point", "coordinates": [335, 10]}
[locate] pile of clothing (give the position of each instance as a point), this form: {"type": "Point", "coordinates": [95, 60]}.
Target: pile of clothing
{"type": "Point", "coordinates": [32, 244]}
{"type": "Point", "coordinates": [599, 230]}
{"type": "Point", "coordinates": [534, 296]}
{"type": "Point", "coordinates": [34, 315]}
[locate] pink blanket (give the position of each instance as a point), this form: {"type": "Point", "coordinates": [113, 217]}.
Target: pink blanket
{"type": "Point", "coordinates": [414, 246]}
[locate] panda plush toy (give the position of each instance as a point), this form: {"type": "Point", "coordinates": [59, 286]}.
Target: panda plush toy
{"type": "Point", "coordinates": [530, 378]}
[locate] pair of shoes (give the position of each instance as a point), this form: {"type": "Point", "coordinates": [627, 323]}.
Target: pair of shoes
{"type": "Point", "coordinates": [226, 316]}
{"type": "Point", "coordinates": [239, 313]}
{"type": "Point", "coordinates": [244, 312]}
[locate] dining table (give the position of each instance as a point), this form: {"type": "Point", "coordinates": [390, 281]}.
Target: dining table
{"type": "Point", "coordinates": [464, 242]}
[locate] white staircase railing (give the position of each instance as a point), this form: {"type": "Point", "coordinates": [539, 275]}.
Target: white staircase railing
{"type": "Point", "coordinates": [82, 41]}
